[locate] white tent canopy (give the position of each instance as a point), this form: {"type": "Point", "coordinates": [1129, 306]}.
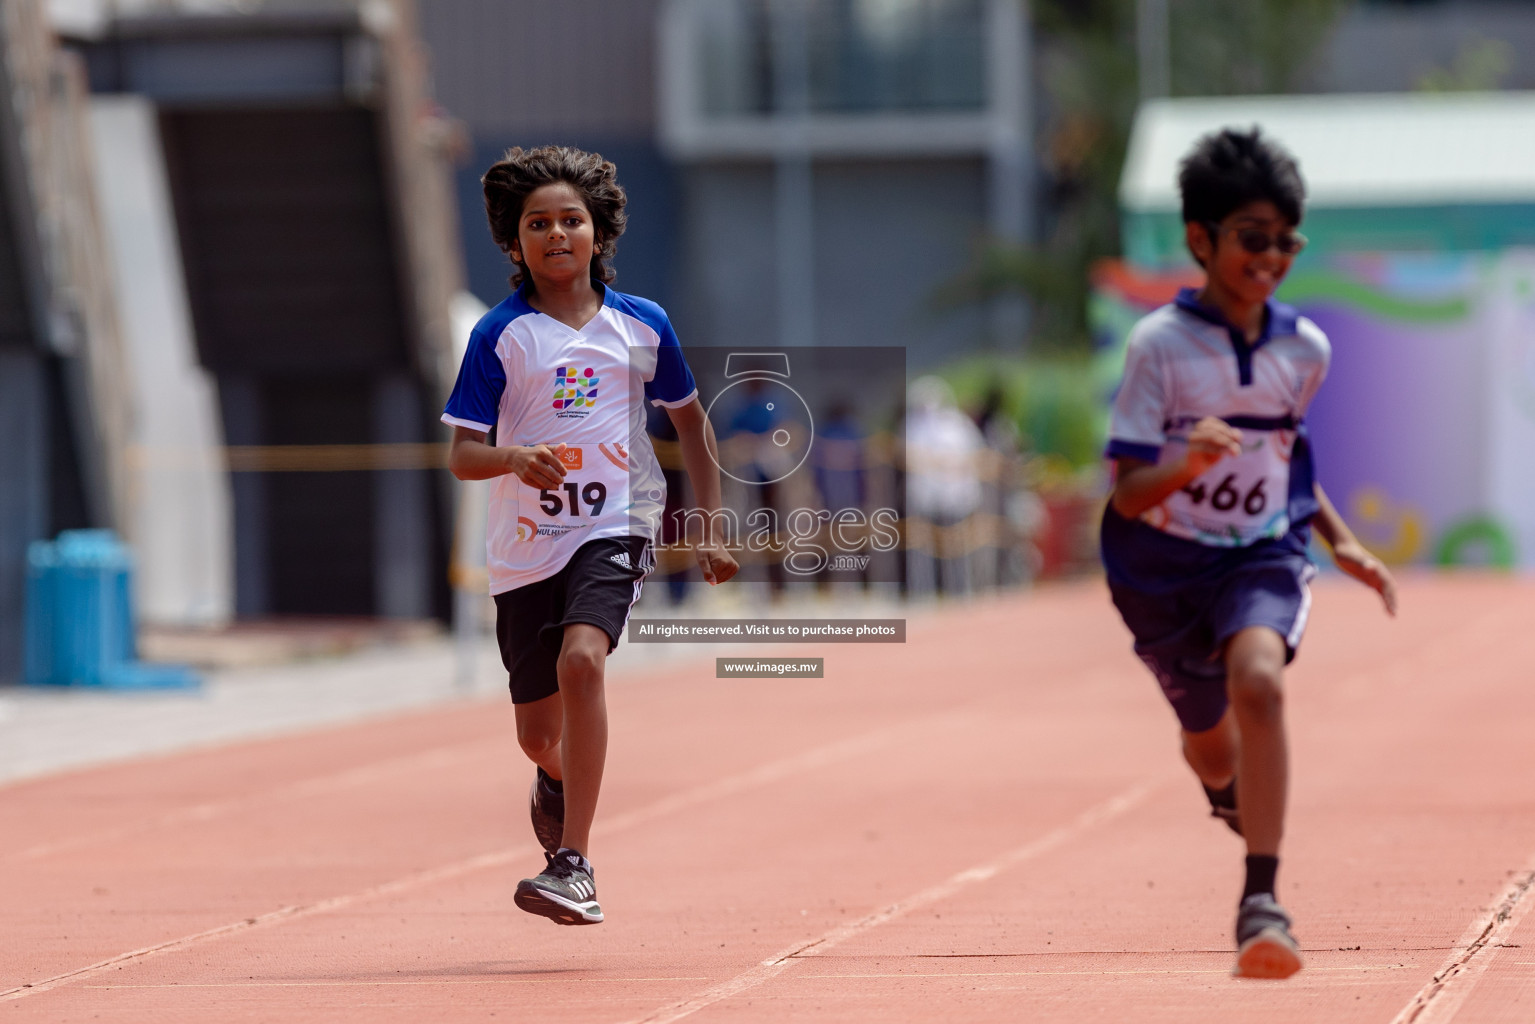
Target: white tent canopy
{"type": "Point", "coordinates": [1387, 150]}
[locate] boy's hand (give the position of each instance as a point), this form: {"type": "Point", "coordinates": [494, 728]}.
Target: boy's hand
{"type": "Point", "coordinates": [1353, 559]}
{"type": "Point", "coordinates": [716, 563]}
{"type": "Point", "coordinates": [537, 465]}
{"type": "Point", "coordinates": [1211, 440]}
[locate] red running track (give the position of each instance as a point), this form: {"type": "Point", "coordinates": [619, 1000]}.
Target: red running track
{"type": "Point", "coordinates": [990, 822]}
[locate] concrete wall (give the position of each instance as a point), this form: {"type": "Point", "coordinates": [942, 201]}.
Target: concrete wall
{"type": "Point", "coordinates": [504, 70]}
{"type": "Point", "coordinates": [179, 515]}
{"type": "Point", "coordinates": [700, 237]}
{"type": "Point", "coordinates": [574, 68]}
{"type": "Point", "coordinates": [887, 235]}
{"type": "Point", "coordinates": [24, 480]}
{"type": "Point", "coordinates": [63, 412]}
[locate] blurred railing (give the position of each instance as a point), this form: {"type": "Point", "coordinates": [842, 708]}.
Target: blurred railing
{"type": "Point", "coordinates": [1036, 519]}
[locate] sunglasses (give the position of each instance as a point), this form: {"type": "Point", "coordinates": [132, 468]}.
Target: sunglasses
{"type": "Point", "coordinates": [1256, 240]}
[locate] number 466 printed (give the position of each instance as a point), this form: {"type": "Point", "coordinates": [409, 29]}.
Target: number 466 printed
{"type": "Point", "coordinates": [1226, 496]}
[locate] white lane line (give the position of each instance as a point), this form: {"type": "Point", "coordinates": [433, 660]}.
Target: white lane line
{"type": "Point", "coordinates": [290, 913]}
{"type": "Point", "coordinates": [1441, 997]}
{"type": "Point", "coordinates": [763, 775]}
{"type": "Point", "coordinates": [1223, 971]}
{"type": "Point", "coordinates": [384, 983]}
{"type": "Point", "coordinates": [776, 965]}
{"type": "Point", "coordinates": [350, 778]}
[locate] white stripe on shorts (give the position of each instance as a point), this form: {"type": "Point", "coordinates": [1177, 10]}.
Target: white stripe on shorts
{"type": "Point", "coordinates": [647, 563]}
{"type": "Point", "coordinates": [1304, 614]}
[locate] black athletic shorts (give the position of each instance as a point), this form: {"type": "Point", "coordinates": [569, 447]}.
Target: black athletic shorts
{"type": "Point", "coordinates": [597, 586]}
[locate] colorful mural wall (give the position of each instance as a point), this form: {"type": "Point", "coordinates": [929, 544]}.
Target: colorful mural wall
{"type": "Point", "coordinates": [1425, 430]}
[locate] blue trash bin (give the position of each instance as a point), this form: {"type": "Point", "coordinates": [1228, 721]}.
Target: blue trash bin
{"type": "Point", "coordinates": [80, 621]}
{"type": "Point", "coordinates": [93, 604]}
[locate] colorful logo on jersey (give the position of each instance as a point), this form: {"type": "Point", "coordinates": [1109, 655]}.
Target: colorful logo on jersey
{"type": "Point", "coordinates": [575, 390]}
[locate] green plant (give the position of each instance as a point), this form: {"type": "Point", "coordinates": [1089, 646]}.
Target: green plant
{"type": "Point", "coordinates": [1057, 402]}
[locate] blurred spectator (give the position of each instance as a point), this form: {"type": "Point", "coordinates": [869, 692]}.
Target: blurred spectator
{"type": "Point", "coordinates": [943, 488]}
{"type": "Point", "coordinates": [996, 425]}
{"type": "Point", "coordinates": [1019, 512]}
{"type": "Point", "coordinates": [749, 453]}
{"type": "Point", "coordinates": [838, 459]}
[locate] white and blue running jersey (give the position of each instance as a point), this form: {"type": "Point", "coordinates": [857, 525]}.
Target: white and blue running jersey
{"type": "Point", "coordinates": [539, 381]}
{"type": "Point", "coordinates": [1185, 362]}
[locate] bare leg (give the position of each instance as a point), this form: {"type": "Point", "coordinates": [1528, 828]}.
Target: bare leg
{"type": "Point", "coordinates": [1255, 660]}
{"type": "Point", "coordinates": [1213, 753]}
{"type": "Point", "coordinates": [539, 726]}
{"type": "Point", "coordinates": [584, 749]}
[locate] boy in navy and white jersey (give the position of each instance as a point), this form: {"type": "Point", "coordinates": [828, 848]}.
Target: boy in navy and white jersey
{"type": "Point", "coordinates": [1205, 537]}
{"type": "Point", "coordinates": [560, 371]}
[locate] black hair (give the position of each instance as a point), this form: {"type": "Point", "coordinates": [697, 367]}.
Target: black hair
{"type": "Point", "coordinates": [520, 172]}
{"type": "Point", "coordinates": [1228, 169]}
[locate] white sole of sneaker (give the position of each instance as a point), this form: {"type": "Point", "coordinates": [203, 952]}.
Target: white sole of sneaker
{"type": "Point", "coordinates": [555, 907]}
{"type": "Point", "coordinates": [1269, 954]}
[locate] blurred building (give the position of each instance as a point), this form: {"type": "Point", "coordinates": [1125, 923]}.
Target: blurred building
{"type": "Point", "coordinates": [273, 178]}
{"type": "Point", "coordinates": [62, 419]}
{"type": "Point", "coordinates": [799, 173]}
{"type": "Point", "coordinates": [229, 238]}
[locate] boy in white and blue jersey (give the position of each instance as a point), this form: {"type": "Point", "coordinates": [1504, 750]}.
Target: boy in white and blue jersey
{"type": "Point", "coordinates": [560, 371]}
{"type": "Point", "coordinates": [1205, 537]}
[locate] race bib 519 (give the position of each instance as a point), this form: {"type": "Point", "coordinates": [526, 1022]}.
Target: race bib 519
{"type": "Point", "coordinates": [596, 481]}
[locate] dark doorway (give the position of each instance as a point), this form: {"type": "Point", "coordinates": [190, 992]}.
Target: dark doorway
{"type": "Point", "coordinates": [320, 524]}
{"type": "Point", "coordinates": [292, 269]}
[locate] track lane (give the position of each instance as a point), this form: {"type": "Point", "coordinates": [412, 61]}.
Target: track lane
{"type": "Point", "coordinates": [994, 749]}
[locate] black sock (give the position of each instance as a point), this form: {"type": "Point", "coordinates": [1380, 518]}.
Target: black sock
{"type": "Point", "coordinates": [555, 785]}
{"type": "Point", "coordinates": [1261, 869]}
{"type": "Point", "coordinates": [1226, 796]}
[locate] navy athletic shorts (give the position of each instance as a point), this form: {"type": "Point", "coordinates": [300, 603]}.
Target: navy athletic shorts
{"type": "Point", "coordinates": [1181, 635]}
{"type": "Point", "coordinates": [598, 586]}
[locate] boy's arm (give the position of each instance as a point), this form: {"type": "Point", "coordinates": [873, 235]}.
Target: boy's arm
{"type": "Point", "coordinates": [1351, 556]}
{"type": "Point", "coordinates": [1141, 485]}
{"type": "Point", "coordinates": [695, 436]}
{"type": "Point", "coordinates": [470, 458]}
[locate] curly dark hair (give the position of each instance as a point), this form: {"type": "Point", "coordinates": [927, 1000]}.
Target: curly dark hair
{"type": "Point", "coordinates": [520, 172]}
{"type": "Point", "coordinates": [1228, 169]}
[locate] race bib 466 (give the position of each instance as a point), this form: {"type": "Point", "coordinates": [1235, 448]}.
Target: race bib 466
{"type": "Point", "coordinates": [1239, 500]}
